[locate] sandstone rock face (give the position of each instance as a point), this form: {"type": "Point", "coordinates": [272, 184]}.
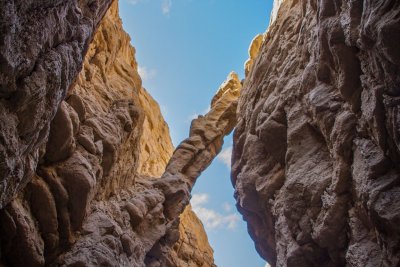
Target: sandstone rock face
{"type": "Point", "coordinates": [190, 158]}
{"type": "Point", "coordinates": [96, 199]}
{"type": "Point", "coordinates": [254, 49]}
{"type": "Point", "coordinates": [316, 149]}
{"type": "Point", "coordinates": [275, 9]}
{"type": "Point", "coordinates": [42, 45]}
{"type": "Point", "coordinates": [155, 142]}
{"type": "Point", "coordinates": [188, 161]}
{"type": "Point", "coordinates": [192, 249]}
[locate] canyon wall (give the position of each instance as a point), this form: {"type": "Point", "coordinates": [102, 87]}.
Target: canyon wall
{"type": "Point", "coordinates": [42, 45]}
{"type": "Point", "coordinates": [85, 190]}
{"type": "Point", "coordinates": [317, 145]}
{"type": "Point", "coordinates": [88, 175]}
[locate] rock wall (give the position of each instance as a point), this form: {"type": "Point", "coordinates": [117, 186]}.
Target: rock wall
{"type": "Point", "coordinates": [192, 249]}
{"type": "Point", "coordinates": [42, 45]}
{"type": "Point", "coordinates": [155, 142]}
{"type": "Point", "coordinates": [92, 196]}
{"type": "Point", "coordinates": [316, 149]}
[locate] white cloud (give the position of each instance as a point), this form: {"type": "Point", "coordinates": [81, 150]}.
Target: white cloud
{"type": "Point", "coordinates": [134, 2]}
{"type": "Point", "coordinates": [146, 74]}
{"type": "Point", "coordinates": [225, 156]}
{"type": "Point", "coordinates": [211, 218]}
{"type": "Point", "coordinates": [166, 6]}
{"type": "Point", "coordinates": [267, 265]}
{"type": "Point", "coordinates": [227, 207]}
{"type": "Point", "coordinates": [199, 199]}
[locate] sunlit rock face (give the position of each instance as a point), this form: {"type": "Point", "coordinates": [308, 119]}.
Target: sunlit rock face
{"type": "Point", "coordinates": [192, 248]}
{"type": "Point", "coordinates": [316, 148]}
{"type": "Point", "coordinates": [189, 160]}
{"type": "Point", "coordinates": [254, 49]}
{"type": "Point", "coordinates": [92, 194]}
{"type": "Point", "coordinates": [275, 9]}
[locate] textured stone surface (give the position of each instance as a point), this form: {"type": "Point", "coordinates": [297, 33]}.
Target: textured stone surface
{"type": "Point", "coordinates": [42, 45]}
{"type": "Point", "coordinates": [190, 158]}
{"type": "Point", "coordinates": [316, 148]}
{"type": "Point", "coordinates": [254, 49]}
{"type": "Point", "coordinates": [192, 249]}
{"type": "Point", "coordinates": [139, 225]}
{"type": "Point", "coordinates": [155, 142]}
{"type": "Point", "coordinates": [91, 153]}
{"type": "Point", "coordinates": [96, 199]}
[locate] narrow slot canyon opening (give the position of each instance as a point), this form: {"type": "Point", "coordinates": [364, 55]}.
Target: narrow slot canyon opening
{"type": "Point", "coordinates": [184, 49]}
{"type": "Point", "coordinates": [121, 143]}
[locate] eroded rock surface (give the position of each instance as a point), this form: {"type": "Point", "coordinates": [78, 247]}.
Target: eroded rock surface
{"type": "Point", "coordinates": [316, 148]}
{"type": "Point", "coordinates": [192, 249]}
{"type": "Point", "coordinates": [94, 197]}
{"type": "Point", "coordinates": [189, 159]}
{"type": "Point", "coordinates": [42, 46]}
{"type": "Point", "coordinates": [155, 142]}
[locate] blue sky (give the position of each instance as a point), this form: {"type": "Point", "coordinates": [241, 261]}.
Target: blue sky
{"type": "Point", "coordinates": [185, 50]}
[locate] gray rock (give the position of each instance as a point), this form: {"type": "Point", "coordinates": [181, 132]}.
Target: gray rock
{"type": "Point", "coordinates": [316, 148]}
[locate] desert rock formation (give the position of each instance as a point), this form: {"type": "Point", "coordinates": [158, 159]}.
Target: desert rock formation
{"type": "Point", "coordinates": [91, 195]}
{"type": "Point", "coordinates": [254, 49]}
{"type": "Point", "coordinates": [88, 176]}
{"type": "Point", "coordinates": [316, 149]}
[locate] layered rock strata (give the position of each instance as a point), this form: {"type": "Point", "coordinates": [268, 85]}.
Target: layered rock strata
{"type": "Point", "coordinates": [92, 196]}
{"type": "Point", "coordinates": [316, 149]}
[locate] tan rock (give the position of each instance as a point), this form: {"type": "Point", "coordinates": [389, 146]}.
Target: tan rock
{"type": "Point", "coordinates": [155, 151]}
{"type": "Point", "coordinates": [155, 142]}
{"type": "Point", "coordinates": [254, 49]}
{"type": "Point", "coordinates": [275, 9]}
{"type": "Point", "coordinates": [96, 199]}
{"type": "Point", "coordinates": [194, 154]}
{"type": "Point", "coordinates": [193, 248]}
{"type": "Point", "coordinates": [190, 158]}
